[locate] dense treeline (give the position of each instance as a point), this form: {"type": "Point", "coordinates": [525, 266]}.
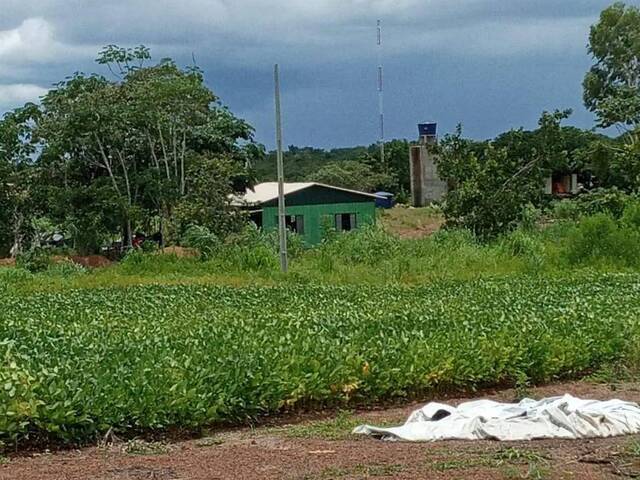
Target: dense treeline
{"type": "Point", "coordinates": [152, 149]}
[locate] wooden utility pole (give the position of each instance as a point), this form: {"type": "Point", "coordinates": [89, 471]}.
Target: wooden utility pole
{"type": "Point", "coordinates": [282, 228]}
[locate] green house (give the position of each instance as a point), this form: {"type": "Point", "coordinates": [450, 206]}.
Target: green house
{"type": "Point", "coordinates": [309, 208]}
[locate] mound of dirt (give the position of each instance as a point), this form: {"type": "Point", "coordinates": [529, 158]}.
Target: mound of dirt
{"type": "Point", "coordinates": [91, 261]}
{"type": "Point", "coordinates": [7, 262]}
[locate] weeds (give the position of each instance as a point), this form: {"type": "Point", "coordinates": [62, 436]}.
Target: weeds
{"type": "Point", "coordinates": [509, 460]}
{"type": "Point", "coordinates": [336, 428]}
{"type": "Point", "coordinates": [141, 447]}
{"type": "Point", "coordinates": [209, 442]}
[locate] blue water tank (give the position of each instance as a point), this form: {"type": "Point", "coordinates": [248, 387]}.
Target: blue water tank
{"type": "Point", "coordinates": [384, 199]}
{"type": "Point", "coordinates": [428, 129]}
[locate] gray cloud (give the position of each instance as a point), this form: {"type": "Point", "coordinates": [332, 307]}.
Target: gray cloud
{"type": "Point", "coordinates": [327, 48]}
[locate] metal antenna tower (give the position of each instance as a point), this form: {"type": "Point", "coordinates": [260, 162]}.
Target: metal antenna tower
{"type": "Point", "coordinates": [380, 93]}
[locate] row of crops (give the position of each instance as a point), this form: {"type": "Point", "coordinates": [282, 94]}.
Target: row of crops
{"type": "Point", "coordinates": [77, 363]}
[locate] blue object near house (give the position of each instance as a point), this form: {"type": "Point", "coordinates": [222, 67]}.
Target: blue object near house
{"type": "Point", "coordinates": [384, 200]}
{"type": "Point", "coordinates": [428, 129]}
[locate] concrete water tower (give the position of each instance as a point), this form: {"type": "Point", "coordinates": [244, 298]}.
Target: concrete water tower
{"type": "Point", "coordinates": [426, 185]}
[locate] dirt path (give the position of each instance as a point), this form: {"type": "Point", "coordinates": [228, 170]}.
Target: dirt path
{"type": "Point", "coordinates": [324, 449]}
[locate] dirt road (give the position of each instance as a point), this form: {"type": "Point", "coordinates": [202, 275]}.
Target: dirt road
{"type": "Point", "coordinates": [322, 449]}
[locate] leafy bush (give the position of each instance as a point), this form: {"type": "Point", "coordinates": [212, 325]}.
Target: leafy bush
{"type": "Point", "coordinates": [160, 356]}
{"type": "Point", "coordinates": [530, 217]}
{"type": "Point", "coordinates": [34, 260]}
{"type": "Point", "coordinates": [566, 210]}
{"type": "Point", "coordinates": [253, 259]}
{"type": "Point", "coordinates": [368, 245]}
{"type": "Point", "coordinates": [133, 257]}
{"type": "Point", "coordinates": [65, 268]}
{"type": "Point", "coordinates": [149, 246]}
{"type": "Point", "coordinates": [610, 201]}
{"type": "Point", "coordinates": [600, 238]}
{"type": "Point", "coordinates": [201, 239]}
{"type": "Point", "coordinates": [631, 215]}
{"type": "Point", "coordinates": [520, 243]}
{"type": "Point", "coordinates": [455, 238]}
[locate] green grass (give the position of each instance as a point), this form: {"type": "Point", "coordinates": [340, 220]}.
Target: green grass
{"type": "Point", "coordinates": [158, 341]}
{"type": "Point", "coordinates": [409, 221]}
{"type": "Point", "coordinates": [75, 363]}
{"type": "Point", "coordinates": [509, 460]}
{"type": "Point", "coordinates": [338, 427]}
{"type": "Point", "coordinates": [142, 447]}
{"type": "Point", "coordinates": [371, 257]}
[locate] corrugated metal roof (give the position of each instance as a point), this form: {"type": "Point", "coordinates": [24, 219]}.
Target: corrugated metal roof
{"type": "Point", "coordinates": [267, 191]}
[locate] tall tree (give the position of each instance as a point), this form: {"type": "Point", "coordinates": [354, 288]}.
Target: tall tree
{"type": "Point", "coordinates": [612, 86]}
{"type": "Point", "coordinates": [18, 183]}
{"type": "Point", "coordinates": [129, 142]}
{"type": "Point", "coordinates": [491, 183]}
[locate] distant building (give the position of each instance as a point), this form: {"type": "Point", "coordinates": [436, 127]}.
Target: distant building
{"type": "Point", "coordinates": [426, 185]}
{"type": "Point", "coordinates": [309, 207]}
{"type": "Point", "coordinates": [562, 184]}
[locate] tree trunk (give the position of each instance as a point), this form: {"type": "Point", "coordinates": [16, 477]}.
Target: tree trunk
{"type": "Point", "coordinates": [128, 233]}
{"type": "Point", "coordinates": [182, 153]}
{"type": "Point", "coordinates": [164, 152]}
{"type": "Point", "coordinates": [17, 233]}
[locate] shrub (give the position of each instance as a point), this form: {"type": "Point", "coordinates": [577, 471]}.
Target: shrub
{"type": "Point", "coordinates": [367, 245]}
{"type": "Point", "coordinates": [520, 243]}
{"type": "Point", "coordinates": [201, 239]}
{"type": "Point", "coordinates": [530, 217]}
{"type": "Point", "coordinates": [65, 268]}
{"type": "Point", "coordinates": [527, 246]}
{"type": "Point", "coordinates": [149, 246]}
{"type": "Point", "coordinates": [566, 210]}
{"type": "Point", "coordinates": [610, 201]}
{"type": "Point", "coordinates": [631, 215]}
{"type": "Point", "coordinates": [599, 238]}
{"type": "Point", "coordinates": [133, 257]}
{"type": "Point", "coordinates": [34, 260]}
{"type": "Point", "coordinates": [254, 259]}
{"type": "Point", "coordinates": [454, 238]}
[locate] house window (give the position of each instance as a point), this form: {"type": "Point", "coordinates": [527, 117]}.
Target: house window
{"type": "Point", "coordinates": [345, 222]}
{"type": "Point", "coordinates": [294, 223]}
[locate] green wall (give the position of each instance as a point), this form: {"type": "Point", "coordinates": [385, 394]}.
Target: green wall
{"type": "Point", "coordinates": [313, 215]}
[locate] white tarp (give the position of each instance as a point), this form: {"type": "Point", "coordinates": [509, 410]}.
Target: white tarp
{"type": "Point", "coordinates": [556, 417]}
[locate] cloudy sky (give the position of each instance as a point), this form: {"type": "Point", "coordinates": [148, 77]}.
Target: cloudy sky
{"type": "Point", "coordinates": [488, 64]}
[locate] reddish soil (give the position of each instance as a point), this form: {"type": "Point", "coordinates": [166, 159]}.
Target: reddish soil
{"type": "Point", "coordinates": [420, 231]}
{"type": "Point", "coordinates": [7, 262]}
{"type": "Point", "coordinates": [91, 261]}
{"type": "Point", "coordinates": [295, 453]}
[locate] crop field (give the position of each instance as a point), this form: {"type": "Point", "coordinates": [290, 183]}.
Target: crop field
{"type": "Point", "coordinates": [79, 362]}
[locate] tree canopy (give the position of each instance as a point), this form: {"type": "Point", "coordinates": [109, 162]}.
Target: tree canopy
{"type": "Point", "coordinates": [612, 85]}
{"type": "Point", "coordinates": [121, 154]}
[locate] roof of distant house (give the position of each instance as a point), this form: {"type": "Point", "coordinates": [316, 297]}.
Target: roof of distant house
{"type": "Point", "coordinates": [267, 191]}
